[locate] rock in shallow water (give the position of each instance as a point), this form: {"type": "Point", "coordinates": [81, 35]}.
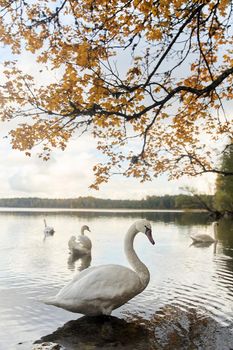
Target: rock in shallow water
{"type": "Point", "coordinates": [48, 346]}
{"type": "Point", "coordinates": [106, 332]}
{"type": "Point", "coordinates": [169, 329]}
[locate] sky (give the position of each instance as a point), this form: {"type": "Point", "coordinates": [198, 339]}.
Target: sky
{"type": "Point", "coordinates": [68, 174]}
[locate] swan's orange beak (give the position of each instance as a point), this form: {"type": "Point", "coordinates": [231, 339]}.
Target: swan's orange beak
{"type": "Point", "coordinates": [149, 235]}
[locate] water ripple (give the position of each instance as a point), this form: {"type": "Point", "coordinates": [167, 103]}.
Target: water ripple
{"type": "Point", "coordinates": [184, 276]}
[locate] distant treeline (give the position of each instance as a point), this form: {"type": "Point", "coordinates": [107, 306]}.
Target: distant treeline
{"type": "Point", "coordinates": [150, 202]}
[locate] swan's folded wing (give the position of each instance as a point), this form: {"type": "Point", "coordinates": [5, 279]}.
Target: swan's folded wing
{"type": "Point", "coordinates": [84, 241]}
{"type": "Point", "coordinates": [75, 245]}
{"type": "Point", "coordinates": [106, 282]}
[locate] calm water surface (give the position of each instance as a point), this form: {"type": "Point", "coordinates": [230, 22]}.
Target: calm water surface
{"type": "Point", "coordinates": [32, 267]}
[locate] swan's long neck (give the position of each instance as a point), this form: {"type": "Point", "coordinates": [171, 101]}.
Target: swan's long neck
{"type": "Point", "coordinates": [45, 223]}
{"type": "Point", "coordinates": [82, 230]}
{"type": "Point", "coordinates": [141, 269]}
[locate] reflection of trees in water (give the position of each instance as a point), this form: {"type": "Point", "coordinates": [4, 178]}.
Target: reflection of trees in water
{"type": "Point", "coordinates": [224, 264]}
{"type": "Point", "coordinates": [82, 261]}
{"type": "Point", "coordinates": [179, 218]}
{"type": "Point", "coordinates": [225, 234]}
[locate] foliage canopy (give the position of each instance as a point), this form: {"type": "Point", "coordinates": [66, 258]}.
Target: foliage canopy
{"type": "Point", "coordinates": [147, 78]}
{"type": "Point", "coordinates": [224, 184]}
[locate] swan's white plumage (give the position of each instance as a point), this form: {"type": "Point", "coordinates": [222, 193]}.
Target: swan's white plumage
{"type": "Point", "coordinates": [99, 290]}
{"type": "Point", "coordinates": [48, 230]}
{"type": "Point", "coordinates": [205, 238]}
{"type": "Point", "coordinates": [85, 242]}
{"type": "Point", "coordinates": [81, 245]}
{"type": "Point", "coordinates": [72, 244]}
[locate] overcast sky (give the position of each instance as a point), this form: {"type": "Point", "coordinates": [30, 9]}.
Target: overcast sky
{"type": "Point", "coordinates": [69, 173]}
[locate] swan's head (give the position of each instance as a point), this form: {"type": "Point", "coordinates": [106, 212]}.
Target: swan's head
{"type": "Point", "coordinates": [144, 226]}
{"type": "Point", "coordinates": [85, 228]}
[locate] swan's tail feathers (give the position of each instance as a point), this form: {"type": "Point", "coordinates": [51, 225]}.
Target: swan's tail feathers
{"type": "Point", "coordinates": [49, 301]}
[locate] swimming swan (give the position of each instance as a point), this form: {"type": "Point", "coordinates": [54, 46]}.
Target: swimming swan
{"type": "Point", "coordinates": [48, 230]}
{"type": "Point", "coordinates": [101, 289]}
{"type": "Point", "coordinates": [82, 245]}
{"type": "Point", "coordinates": [204, 238]}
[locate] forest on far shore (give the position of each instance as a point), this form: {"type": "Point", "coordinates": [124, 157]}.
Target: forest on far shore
{"type": "Point", "coordinates": [150, 202]}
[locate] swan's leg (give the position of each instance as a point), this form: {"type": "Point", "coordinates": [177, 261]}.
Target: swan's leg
{"type": "Point", "coordinates": [107, 311]}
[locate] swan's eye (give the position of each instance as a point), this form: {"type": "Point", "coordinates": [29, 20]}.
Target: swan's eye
{"type": "Point", "coordinates": [147, 228]}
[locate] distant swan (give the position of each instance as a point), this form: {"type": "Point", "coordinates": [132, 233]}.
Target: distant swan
{"type": "Point", "coordinates": [48, 230]}
{"type": "Point", "coordinates": [82, 245]}
{"type": "Point", "coordinates": [204, 238]}
{"type": "Point", "coordinates": [101, 289]}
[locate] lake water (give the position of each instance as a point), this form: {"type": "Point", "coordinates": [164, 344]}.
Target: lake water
{"type": "Point", "coordinates": [182, 276]}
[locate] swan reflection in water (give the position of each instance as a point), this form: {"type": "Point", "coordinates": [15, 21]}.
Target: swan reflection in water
{"type": "Point", "coordinates": [46, 235]}
{"type": "Point", "coordinates": [82, 261]}
{"type": "Point", "coordinates": [100, 332]}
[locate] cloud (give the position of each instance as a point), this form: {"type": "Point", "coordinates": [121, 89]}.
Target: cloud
{"type": "Point", "coordinates": [69, 173]}
{"type": "Point", "coordinates": [120, 188]}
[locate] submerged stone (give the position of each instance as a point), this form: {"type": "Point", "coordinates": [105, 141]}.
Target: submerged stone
{"type": "Point", "coordinates": [48, 346]}
{"type": "Point", "coordinates": [105, 332]}
{"type": "Point", "coordinates": [169, 329]}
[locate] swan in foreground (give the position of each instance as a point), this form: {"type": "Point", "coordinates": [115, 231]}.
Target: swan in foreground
{"type": "Point", "coordinates": [101, 289]}
{"type": "Point", "coordinates": [83, 243]}
{"type": "Point", "coordinates": [204, 238]}
{"type": "Point", "coordinates": [48, 230]}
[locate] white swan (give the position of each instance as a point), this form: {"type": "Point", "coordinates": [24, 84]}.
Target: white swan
{"type": "Point", "coordinates": [99, 290]}
{"type": "Point", "coordinates": [82, 245]}
{"type": "Point", "coordinates": [204, 238]}
{"type": "Point", "coordinates": [48, 230]}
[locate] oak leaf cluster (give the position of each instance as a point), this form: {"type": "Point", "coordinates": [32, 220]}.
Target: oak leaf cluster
{"type": "Point", "coordinates": [151, 80]}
